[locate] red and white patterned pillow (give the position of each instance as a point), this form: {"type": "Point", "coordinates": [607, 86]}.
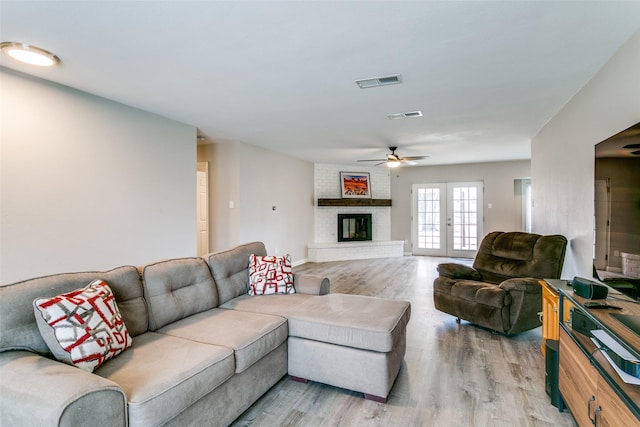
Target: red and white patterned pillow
{"type": "Point", "coordinates": [270, 275]}
{"type": "Point", "coordinates": [83, 327]}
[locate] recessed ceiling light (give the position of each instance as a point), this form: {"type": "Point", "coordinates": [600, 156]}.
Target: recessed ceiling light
{"type": "Point", "coordinates": [379, 81]}
{"type": "Point", "coordinates": [29, 54]}
{"type": "Point", "coordinates": [408, 114]}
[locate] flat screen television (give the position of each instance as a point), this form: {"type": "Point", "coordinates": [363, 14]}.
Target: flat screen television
{"type": "Point", "coordinates": [617, 207]}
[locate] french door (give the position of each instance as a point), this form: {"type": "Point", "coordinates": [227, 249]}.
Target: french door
{"type": "Point", "coordinates": [447, 219]}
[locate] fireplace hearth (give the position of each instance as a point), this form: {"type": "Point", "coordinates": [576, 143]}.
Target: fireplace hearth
{"type": "Point", "coordinates": [354, 227]}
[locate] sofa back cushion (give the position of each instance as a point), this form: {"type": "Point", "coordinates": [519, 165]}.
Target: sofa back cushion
{"type": "Point", "coordinates": [503, 256]}
{"type": "Point", "coordinates": [18, 328]}
{"type": "Point", "coordinates": [177, 288]}
{"type": "Point", "coordinates": [230, 269]}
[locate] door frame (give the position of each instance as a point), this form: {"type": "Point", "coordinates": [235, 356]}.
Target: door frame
{"type": "Point", "coordinates": [445, 219]}
{"type": "Point", "coordinates": [202, 209]}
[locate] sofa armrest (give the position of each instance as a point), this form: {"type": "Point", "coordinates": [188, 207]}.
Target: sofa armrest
{"type": "Point", "coordinates": [38, 391]}
{"type": "Point", "coordinates": [311, 285]}
{"type": "Point", "coordinates": [458, 271]}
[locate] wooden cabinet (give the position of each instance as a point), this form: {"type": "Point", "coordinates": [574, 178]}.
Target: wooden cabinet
{"type": "Point", "coordinates": [610, 411]}
{"type": "Point", "coordinates": [589, 385]}
{"type": "Point", "coordinates": [578, 381]}
{"type": "Point", "coordinates": [551, 309]}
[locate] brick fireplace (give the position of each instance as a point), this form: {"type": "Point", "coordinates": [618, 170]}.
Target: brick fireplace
{"type": "Point", "coordinates": [326, 246]}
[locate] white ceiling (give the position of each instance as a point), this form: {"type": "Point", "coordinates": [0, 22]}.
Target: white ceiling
{"type": "Point", "coordinates": [487, 75]}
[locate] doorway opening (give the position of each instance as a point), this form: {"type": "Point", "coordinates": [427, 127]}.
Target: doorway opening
{"type": "Point", "coordinates": [202, 207]}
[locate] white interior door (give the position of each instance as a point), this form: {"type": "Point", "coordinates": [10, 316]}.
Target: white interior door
{"type": "Point", "coordinates": [202, 208]}
{"type": "Point", "coordinates": [447, 219]}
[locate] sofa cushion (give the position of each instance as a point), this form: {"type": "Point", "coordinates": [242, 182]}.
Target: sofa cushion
{"type": "Point", "coordinates": [277, 304]}
{"type": "Point", "coordinates": [84, 327]}
{"type": "Point", "coordinates": [177, 288]}
{"type": "Point", "coordinates": [230, 269]}
{"type": "Point", "coordinates": [270, 275]}
{"type": "Point", "coordinates": [250, 335]}
{"type": "Point", "coordinates": [350, 320]}
{"type": "Point", "coordinates": [18, 329]}
{"type": "Point", "coordinates": [162, 375]}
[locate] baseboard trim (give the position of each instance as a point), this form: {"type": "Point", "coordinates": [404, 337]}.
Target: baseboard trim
{"type": "Point", "coordinates": [300, 262]}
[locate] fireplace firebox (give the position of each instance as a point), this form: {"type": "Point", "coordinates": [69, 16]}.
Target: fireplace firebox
{"type": "Point", "coordinates": [354, 227]}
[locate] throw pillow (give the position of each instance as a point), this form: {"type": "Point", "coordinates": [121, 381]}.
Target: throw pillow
{"type": "Point", "coordinates": [270, 275]}
{"type": "Point", "coordinates": [83, 327]}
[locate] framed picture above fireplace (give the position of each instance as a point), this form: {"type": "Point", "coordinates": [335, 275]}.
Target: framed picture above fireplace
{"type": "Point", "coordinates": [355, 185]}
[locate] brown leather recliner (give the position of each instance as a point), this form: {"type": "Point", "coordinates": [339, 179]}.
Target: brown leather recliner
{"type": "Point", "coordinates": [501, 291]}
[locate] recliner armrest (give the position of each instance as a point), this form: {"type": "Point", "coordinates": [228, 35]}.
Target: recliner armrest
{"type": "Point", "coordinates": [458, 271]}
{"type": "Point", "coordinates": [310, 284]}
{"type": "Point", "coordinates": [523, 284]}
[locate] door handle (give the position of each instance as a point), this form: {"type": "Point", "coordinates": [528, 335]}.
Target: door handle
{"type": "Point", "coordinates": [595, 415]}
{"type": "Point", "coordinates": [593, 420]}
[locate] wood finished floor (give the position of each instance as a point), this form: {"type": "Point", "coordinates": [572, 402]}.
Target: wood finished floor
{"type": "Point", "coordinates": [452, 375]}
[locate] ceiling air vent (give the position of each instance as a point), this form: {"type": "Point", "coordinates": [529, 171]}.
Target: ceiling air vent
{"type": "Point", "coordinates": [408, 114]}
{"type": "Point", "coordinates": [379, 81]}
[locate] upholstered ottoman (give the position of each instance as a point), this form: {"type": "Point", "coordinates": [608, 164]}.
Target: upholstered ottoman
{"type": "Point", "coordinates": [349, 341]}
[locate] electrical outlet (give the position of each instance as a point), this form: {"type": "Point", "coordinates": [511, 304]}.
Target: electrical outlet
{"type": "Point", "coordinates": [616, 253]}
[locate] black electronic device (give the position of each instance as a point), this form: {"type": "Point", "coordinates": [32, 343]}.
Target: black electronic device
{"type": "Point", "coordinates": [588, 288]}
{"type": "Point", "coordinates": [630, 367]}
{"type": "Point", "coordinates": [581, 323]}
{"type": "Point", "coordinates": [629, 320]}
{"type": "Point", "coordinates": [551, 372]}
{"type": "Point", "coordinates": [603, 305]}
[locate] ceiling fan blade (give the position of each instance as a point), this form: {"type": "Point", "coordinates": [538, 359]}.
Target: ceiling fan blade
{"type": "Point", "coordinates": [373, 160]}
{"type": "Point", "coordinates": [414, 158]}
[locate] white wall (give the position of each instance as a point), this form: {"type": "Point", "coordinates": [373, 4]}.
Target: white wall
{"type": "Point", "coordinates": [498, 180]}
{"type": "Point", "coordinates": [224, 187]}
{"type": "Point", "coordinates": [562, 154]}
{"type": "Point", "coordinates": [327, 186]}
{"type": "Point", "coordinates": [256, 180]}
{"type": "Point", "coordinates": [87, 183]}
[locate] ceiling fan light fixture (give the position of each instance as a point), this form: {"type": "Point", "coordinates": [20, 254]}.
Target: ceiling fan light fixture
{"type": "Point", "coordinates": [379, 81]}
{"type": "Point", "coordinates": [29, 54]}
{"type": "Point", "coordinates": [393, 164]}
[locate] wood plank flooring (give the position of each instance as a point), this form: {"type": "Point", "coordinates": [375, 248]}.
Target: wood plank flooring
{"type": "Point", "coordinates": [453, 374]}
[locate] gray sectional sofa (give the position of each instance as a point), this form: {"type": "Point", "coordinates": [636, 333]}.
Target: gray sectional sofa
{"type": "Point", "coordinates": [203, 349]}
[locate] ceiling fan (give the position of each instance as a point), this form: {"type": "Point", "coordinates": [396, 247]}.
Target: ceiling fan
{"type": "Point", "coordinates": [394, 161]}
